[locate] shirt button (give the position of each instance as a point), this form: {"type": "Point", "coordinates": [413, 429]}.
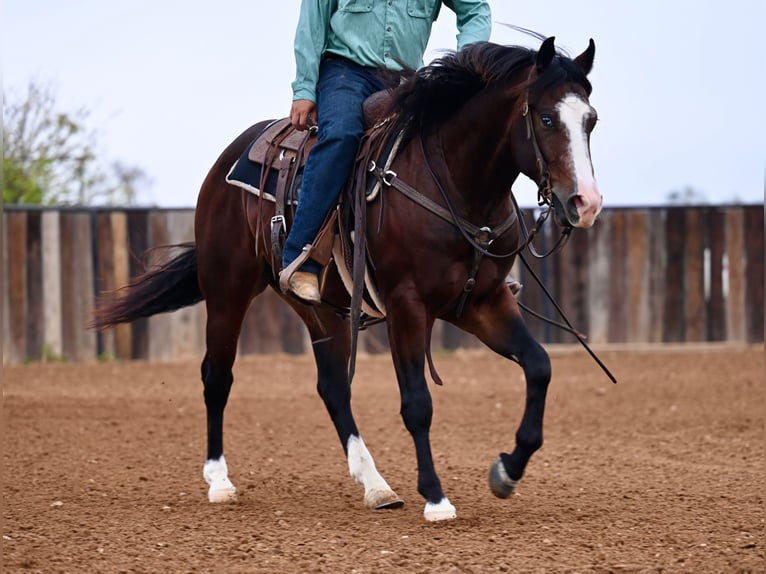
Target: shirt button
{"type": "Point", "coordinates": [388, 29]}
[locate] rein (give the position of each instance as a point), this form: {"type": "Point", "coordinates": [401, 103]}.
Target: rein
{"type": "Point", "coordinates": [480, 238]}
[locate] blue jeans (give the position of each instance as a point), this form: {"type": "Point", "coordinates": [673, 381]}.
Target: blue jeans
{"type": "Point", "coordinates": [341, 90]}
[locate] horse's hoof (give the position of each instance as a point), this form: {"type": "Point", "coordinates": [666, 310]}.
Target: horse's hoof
{"type": "Point", "coordinates": [382, 500]}
{"type": "Point", "coordinates": [440, 511]}
{"type": "Point", "coordinates": [223, 494]}
{"type": "Point", "coordinates": [500, 483]}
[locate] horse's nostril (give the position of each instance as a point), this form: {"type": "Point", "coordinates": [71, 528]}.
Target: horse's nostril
{"type": "Point", "coordinates": [573, 208]}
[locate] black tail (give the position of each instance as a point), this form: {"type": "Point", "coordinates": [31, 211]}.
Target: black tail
{"type": "Point", "coordinates": [168, 287]}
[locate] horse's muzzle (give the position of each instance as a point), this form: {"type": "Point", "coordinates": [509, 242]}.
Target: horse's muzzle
{"type": "Point", "coordinates": [580, 209]}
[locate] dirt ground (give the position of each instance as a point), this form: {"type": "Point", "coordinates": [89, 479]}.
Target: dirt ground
{"type": "Point", "coordinates": [663, 472]}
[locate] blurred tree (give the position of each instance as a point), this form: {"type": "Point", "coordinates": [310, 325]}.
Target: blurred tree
{"type": "Point", "coordinates": [686, 196]}
{"type": "Point", "coordinates": [49, 157]}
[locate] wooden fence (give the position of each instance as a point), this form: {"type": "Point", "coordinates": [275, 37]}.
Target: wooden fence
{"type": "Point", "coordinates": [641, 275]}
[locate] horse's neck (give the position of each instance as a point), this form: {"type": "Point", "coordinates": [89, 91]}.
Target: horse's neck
{"type": "Point", "coordinates": [476, 146]}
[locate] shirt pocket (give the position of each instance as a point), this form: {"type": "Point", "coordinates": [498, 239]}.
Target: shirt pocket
{"type": "Point", "coordinates": [355, 6]}
{"type": "Point", "coordinates": [422, 8]}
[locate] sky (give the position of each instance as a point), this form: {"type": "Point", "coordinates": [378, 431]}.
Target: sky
{"type": "Point", "coordinates": [679, 85]}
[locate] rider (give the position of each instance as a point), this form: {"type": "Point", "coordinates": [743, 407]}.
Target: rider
{"type": "Point", "coordinates": [340, 46]}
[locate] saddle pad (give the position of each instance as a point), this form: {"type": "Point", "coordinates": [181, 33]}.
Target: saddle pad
{"type": "Point", "coordinates": [246, 174]}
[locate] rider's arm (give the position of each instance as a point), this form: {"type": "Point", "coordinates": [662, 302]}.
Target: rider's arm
{"type": "Point", "coordinates": [310, 41]}
{"type": "Point", "coordinates": [474, 20]}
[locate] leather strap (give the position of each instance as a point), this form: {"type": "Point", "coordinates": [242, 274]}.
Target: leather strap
{"type": "Point", "coordinates": [390, 179]}
{"type": "Point", "coordinates": [278, 224]}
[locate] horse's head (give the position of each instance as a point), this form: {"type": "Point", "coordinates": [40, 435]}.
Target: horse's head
{"type": "Point", "coordinates": [559, 120]}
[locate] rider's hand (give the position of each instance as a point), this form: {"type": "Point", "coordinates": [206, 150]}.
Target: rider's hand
{"type": "Point", "coordinates": [302, 114]}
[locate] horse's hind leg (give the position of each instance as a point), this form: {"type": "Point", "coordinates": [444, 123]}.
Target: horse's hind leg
{"type": "Point", "coordinates": [331, 348]}
{"type": "Point", "coordinates": [223, 327]}
{"type": "Point", "coordinates": [229, 284]}
{"type": "Point", "coordinates": [498, 323]}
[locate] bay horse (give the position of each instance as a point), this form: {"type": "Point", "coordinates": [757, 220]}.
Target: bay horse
{"type": "Point", "coordinates": [473, 121]}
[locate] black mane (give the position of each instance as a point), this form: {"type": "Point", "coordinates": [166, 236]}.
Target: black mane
{"type": "Point", "coordinates": [434, 93]}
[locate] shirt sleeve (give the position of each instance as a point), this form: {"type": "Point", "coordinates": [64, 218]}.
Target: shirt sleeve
{"type": "Point", "coordinates": [310, 42]}
{"type": "Point", "coordinates": [474, 20]}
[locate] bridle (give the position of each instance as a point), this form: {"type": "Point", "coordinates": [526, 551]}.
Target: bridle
{"type": "Point", "coordinates": [480, 238]}
{"type": "Point", "coordinates": [544, 187]}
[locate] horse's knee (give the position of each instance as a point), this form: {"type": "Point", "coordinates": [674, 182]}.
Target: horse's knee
{"type": "Point", "coordinates": [335, 394]}
{"type": "Point", "coordinates": [417, 410]}
{"type": "Point", "coordinates": [217, 382]}
{"type": "Point", "coordinates": [537, 366]}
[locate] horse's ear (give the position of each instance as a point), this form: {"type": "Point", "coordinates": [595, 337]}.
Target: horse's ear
{"type": "Point", "coordinates": [585, 60]}
{"type": "Point", "coordinates": [546, 53]}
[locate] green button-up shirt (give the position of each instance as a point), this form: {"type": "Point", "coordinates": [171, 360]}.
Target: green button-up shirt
{"type": "Point", "coordinates": [376, 33]}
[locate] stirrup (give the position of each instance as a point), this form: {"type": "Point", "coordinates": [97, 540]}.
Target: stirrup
{"type": "Point", "coordinates": [287, 272]}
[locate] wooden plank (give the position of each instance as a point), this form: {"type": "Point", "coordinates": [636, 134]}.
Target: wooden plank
{"type": "Point", "coordinates": [531, 296]}
{"type": "Point", "coordinates": [657, 273]}
{"type": "Point", "coordinates": [754, 277]}
{"type": "Point", "coordinates": [80, 277]}
{"type": "Point", "coordinates": [34, 317]}
{"type": "Point", "coordinates": [68, 289]}
{"type": "Point", "coordinates": [123, 334]}
{"type": "Point", "coordinates": [637, 276]}
{"type": "Point", "coordinates": [52, 302]}
{"type": "Point", "coordinates": [6, 302]}
{"type": "Point", "coordinates": [261, 330]}
{"type": "Point", "coordinates": [675, 247]}
{"type": "Point", "coordinates": [159, 327]}
{"type": "Point", "coordinates": [138, 242]}
{"type": "Point", "coordinates": [599, 239]}
{"type": "Point", "coordinates": [374, 339]}
{"type": "Point", "coordinates": [104, 273]}
{"type": "Point", "coordinates": [694, 279]}
{"type": "Point", "coordinates": [735, 275]}
{"type": "Point", "coordinates": [294, 332]}
{"type": "Point", "coordinates": [79, 343]}
{"type": "Point", "coordinates": [618, 285]}
{"type": "Point", "coordinates": [187, 325]}
{"type": "Point", "coordinates": [572, 292]}
{"type": "Point", "coordinates": [16, 341]}
{"type": "Point", "coordinates": [553, 268]}
{"type": "Point", "coordinates": [716, 307]}
{"type": "Point", "coordinates": [581, 263]}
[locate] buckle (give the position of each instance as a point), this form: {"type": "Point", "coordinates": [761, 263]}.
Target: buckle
{"type": "Point", "coordinates": [279, 220]}
{"type": "Point", "coordinates": [484, 237]}
{"type": "Point", "coordinates": [388, 177]}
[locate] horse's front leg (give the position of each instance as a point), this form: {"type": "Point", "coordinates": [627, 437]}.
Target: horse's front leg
{"type": "Point", "coordinates": [331, 345]}
{"type": "Point", "coordinates": [408, 334]}
{"type": "Point", "coordinates": [498, 323]}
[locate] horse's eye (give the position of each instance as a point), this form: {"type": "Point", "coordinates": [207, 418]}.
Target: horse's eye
{"type": "Point", "coordinates": [547, 120]}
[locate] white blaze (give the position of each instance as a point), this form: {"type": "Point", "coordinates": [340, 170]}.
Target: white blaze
{"type": "Point", "coordinates": [572, 111]}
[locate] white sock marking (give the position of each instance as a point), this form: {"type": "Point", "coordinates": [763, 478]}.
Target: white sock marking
{"type": "Point", "coordinates": [361, 466]}
{"type": "Point", "coordinates": [443, 510]}
{"type": "Point", "coordinates": [216, 474]}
